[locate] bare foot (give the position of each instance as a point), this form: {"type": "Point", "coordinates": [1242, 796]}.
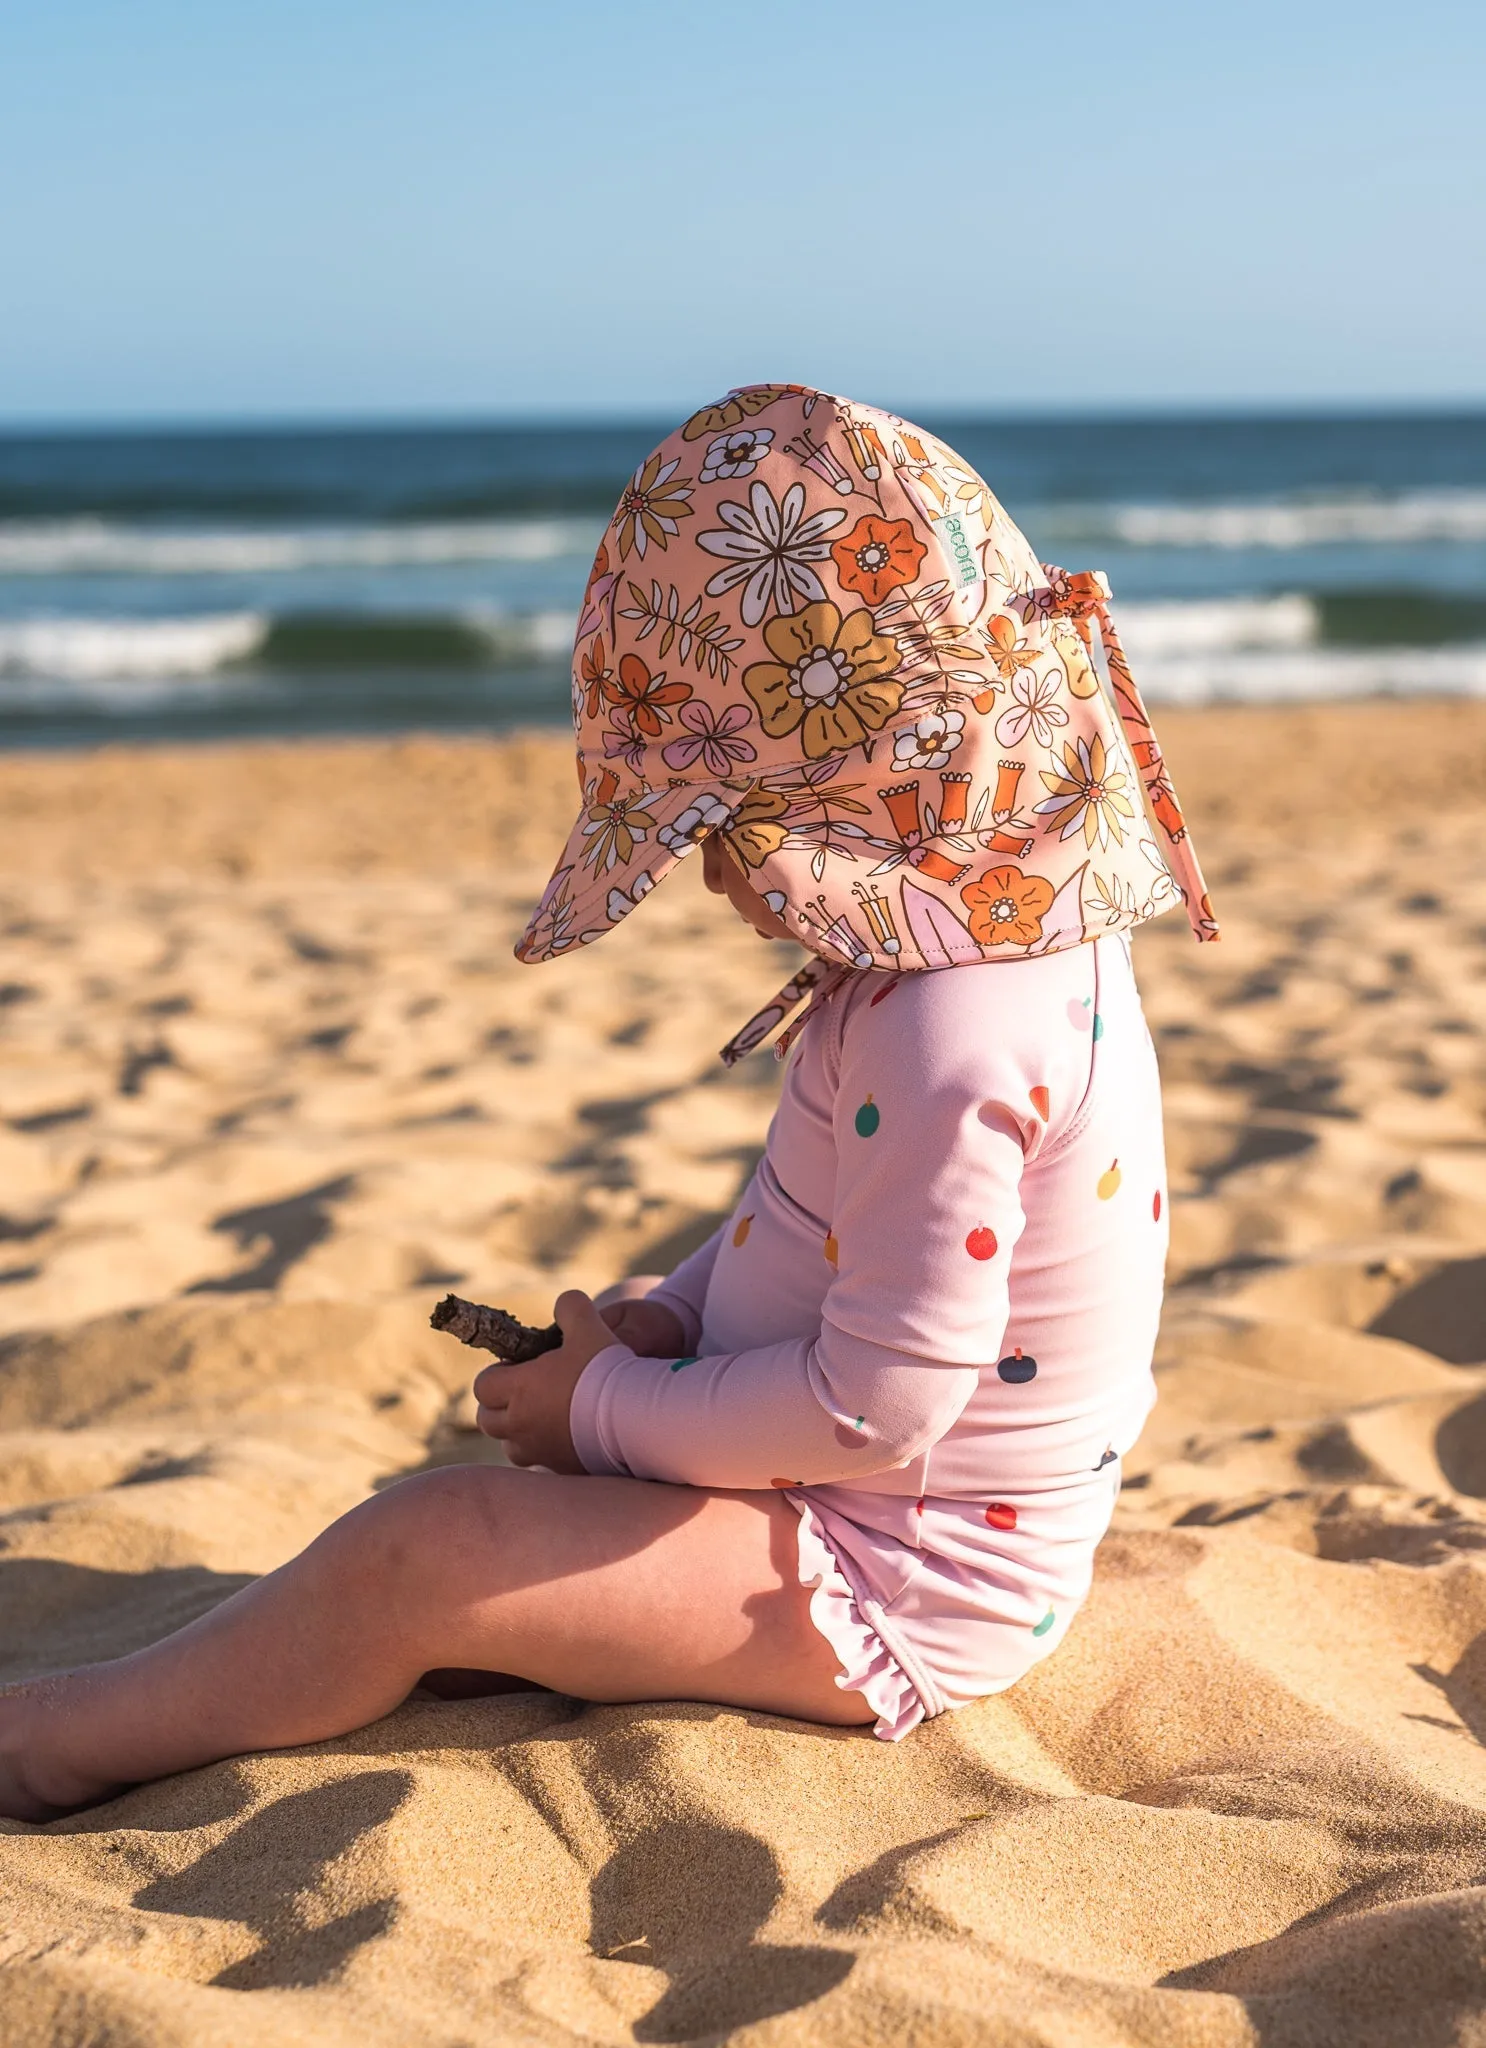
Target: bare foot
{"type": "Point", "coordinates": [29, 1790]}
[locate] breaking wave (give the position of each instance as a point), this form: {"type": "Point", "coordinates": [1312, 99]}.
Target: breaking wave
{"type": "Point", "coordinates": [70, 547]}
{"type": "Point", "coordinates": [1353, 519]}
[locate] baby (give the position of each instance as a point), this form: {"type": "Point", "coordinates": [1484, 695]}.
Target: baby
{"type": "Point", "coordinates": [851, 1461]}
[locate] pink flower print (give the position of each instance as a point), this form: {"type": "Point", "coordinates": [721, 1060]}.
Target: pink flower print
{"type": "Point", "coordinates": [712, 738]}
{"type": "Point", "coordinates": [622, 744]}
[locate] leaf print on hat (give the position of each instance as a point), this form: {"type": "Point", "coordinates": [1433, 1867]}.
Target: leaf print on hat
{"type": "Point", "coordinates": [830, 680]}
{"type": "Point", "coordinates": [710, 738]}
{"type": "Point", "coordinates": [737, 454]}
{"type": "Point", "coordinates": [652, 503]}
{"type": "Point", "coordinates": [696, 639]}
{"type": "Point", "coordinates": [1034, 708]}
{"type": "Point", "coordinates": [1007, 907]}
{"type": "Point", "coordinates": [1089, 795]}
{"type": "Point", "coordinates": [769, 548]}
{"type": "Point", "coordinates": [934, 931]}
{"type": "Point", "coordinates": [877, 556]}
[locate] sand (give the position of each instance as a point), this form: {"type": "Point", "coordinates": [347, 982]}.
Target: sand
{"type": "Point", "coordinates": [271, 1081]}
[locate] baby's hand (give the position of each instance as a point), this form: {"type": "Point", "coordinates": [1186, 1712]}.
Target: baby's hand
{"type": "Point", "coordinates": [648, 1327]}
{"type": "Point", "coordinates": [527, 1406]}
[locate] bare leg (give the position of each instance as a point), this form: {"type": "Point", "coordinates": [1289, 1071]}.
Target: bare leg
{"type": "Point", "coordinates": [607, 1589]}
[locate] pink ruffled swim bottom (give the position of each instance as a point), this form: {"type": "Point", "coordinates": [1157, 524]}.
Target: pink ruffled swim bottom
{"type": "Point", "coordinates": [933, 1648]}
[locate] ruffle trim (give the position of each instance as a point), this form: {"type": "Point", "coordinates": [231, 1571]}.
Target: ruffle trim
{"type": "Point", "coordinates": [867, 1666]}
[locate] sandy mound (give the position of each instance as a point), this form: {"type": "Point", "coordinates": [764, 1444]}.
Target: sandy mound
{"type": "Point", "coordinates": [271, 1082]}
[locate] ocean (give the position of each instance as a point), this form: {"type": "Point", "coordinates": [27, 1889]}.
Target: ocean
{"type": "Point", "coordinates": [201, 585]}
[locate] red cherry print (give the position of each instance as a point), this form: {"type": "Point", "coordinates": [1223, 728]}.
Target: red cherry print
{"type": "Point", "coordinates": [918, 1507]}
{"type": "Point", "coordinates": [886, 990]}
{"type": "Point", "coordinates": [981, 1243]}
{"type": "Point", "coordinates": [786, 1482]}
{"type": "Point", "coordinates": [1000, 1516]}
{"type": "Point", "coordinates": [1040, 1100]}
{"type": "Point", "coordinates": [1156, 1206]}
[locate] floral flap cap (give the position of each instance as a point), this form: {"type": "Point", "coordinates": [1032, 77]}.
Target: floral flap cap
{"type": "Point", "coordinates": [811, 627]}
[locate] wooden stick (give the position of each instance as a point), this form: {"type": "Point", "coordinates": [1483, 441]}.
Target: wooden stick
{"type": "Point", "coordinates": [491, 1329]}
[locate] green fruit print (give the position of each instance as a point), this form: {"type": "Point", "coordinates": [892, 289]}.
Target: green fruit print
{"type": "Point", "coordinates": [868, 1117]}
{"type": "Point", "coordinates": [1045, 1624]}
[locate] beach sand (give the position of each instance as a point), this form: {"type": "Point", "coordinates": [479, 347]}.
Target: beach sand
{"type": "Point", "coordinates": [270, 1082]}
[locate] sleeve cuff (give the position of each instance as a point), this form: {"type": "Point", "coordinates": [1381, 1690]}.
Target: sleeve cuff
{"type": "Point", "coordinates": [583, 1414]}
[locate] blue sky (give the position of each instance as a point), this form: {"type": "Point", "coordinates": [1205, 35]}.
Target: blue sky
{"type": "Point", "coordinates": [310, 206]}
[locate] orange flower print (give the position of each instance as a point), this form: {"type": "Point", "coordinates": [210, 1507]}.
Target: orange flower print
{"type": "Point", "coordinates": [597, 678]}
{"type": "Point", "coordinates": [877, 556]}
{"type": "Point", "coordinates": [641, 698]}
{"type": "Point", "coordinates": [650, 506]}
{"type": "Point", "coordinates": [829, 681]}
{"type": "Point", "coordinates": [614, 823]}
{"type": "Point", "coordinates": [1007, 907]}
{"type": "Point", "coordinates": [756, 831]}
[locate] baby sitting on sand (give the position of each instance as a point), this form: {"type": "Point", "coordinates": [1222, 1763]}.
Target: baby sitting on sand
{"type": "Point", "coordinates": [851, 1461]}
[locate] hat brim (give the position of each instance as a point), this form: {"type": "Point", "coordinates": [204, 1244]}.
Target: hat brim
{"type": "Point", "coordinates": [614, 856]}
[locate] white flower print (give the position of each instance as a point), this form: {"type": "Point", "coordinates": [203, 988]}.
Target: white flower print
{"type": "Point", "coordinates": [622, 901]}
{"type": "Point", "coordinates": [769, 549]}
{"type": "Point", "coordinates": [736, 454]}
{"type": "Point", "coordinates": [930, 742]}
{"type": "Point", "coordinates": [1035, 708]}
{"type": "Point", "coordinates": [706, 814]}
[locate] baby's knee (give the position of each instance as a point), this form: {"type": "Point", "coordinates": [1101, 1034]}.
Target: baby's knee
{"type": "Point", "coordinates": [423, 1528]}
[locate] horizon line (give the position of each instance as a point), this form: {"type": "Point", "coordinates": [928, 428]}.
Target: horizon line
{"type": "Point", "coordinates": [1131, 412]}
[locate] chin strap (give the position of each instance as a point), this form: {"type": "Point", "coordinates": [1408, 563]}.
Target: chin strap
{"type": "Point", "coordinates": [1081, 597]}
{"type": "Point", "coordinates": [818, 979]}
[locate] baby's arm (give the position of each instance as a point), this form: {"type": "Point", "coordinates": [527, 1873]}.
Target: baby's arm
{"type": "Point", "coordinates": [684, 1290]}
{"type": "Point", "coordinates": [926, 1213]}
{"type": "Point", "coordinates": [662, 1318]}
